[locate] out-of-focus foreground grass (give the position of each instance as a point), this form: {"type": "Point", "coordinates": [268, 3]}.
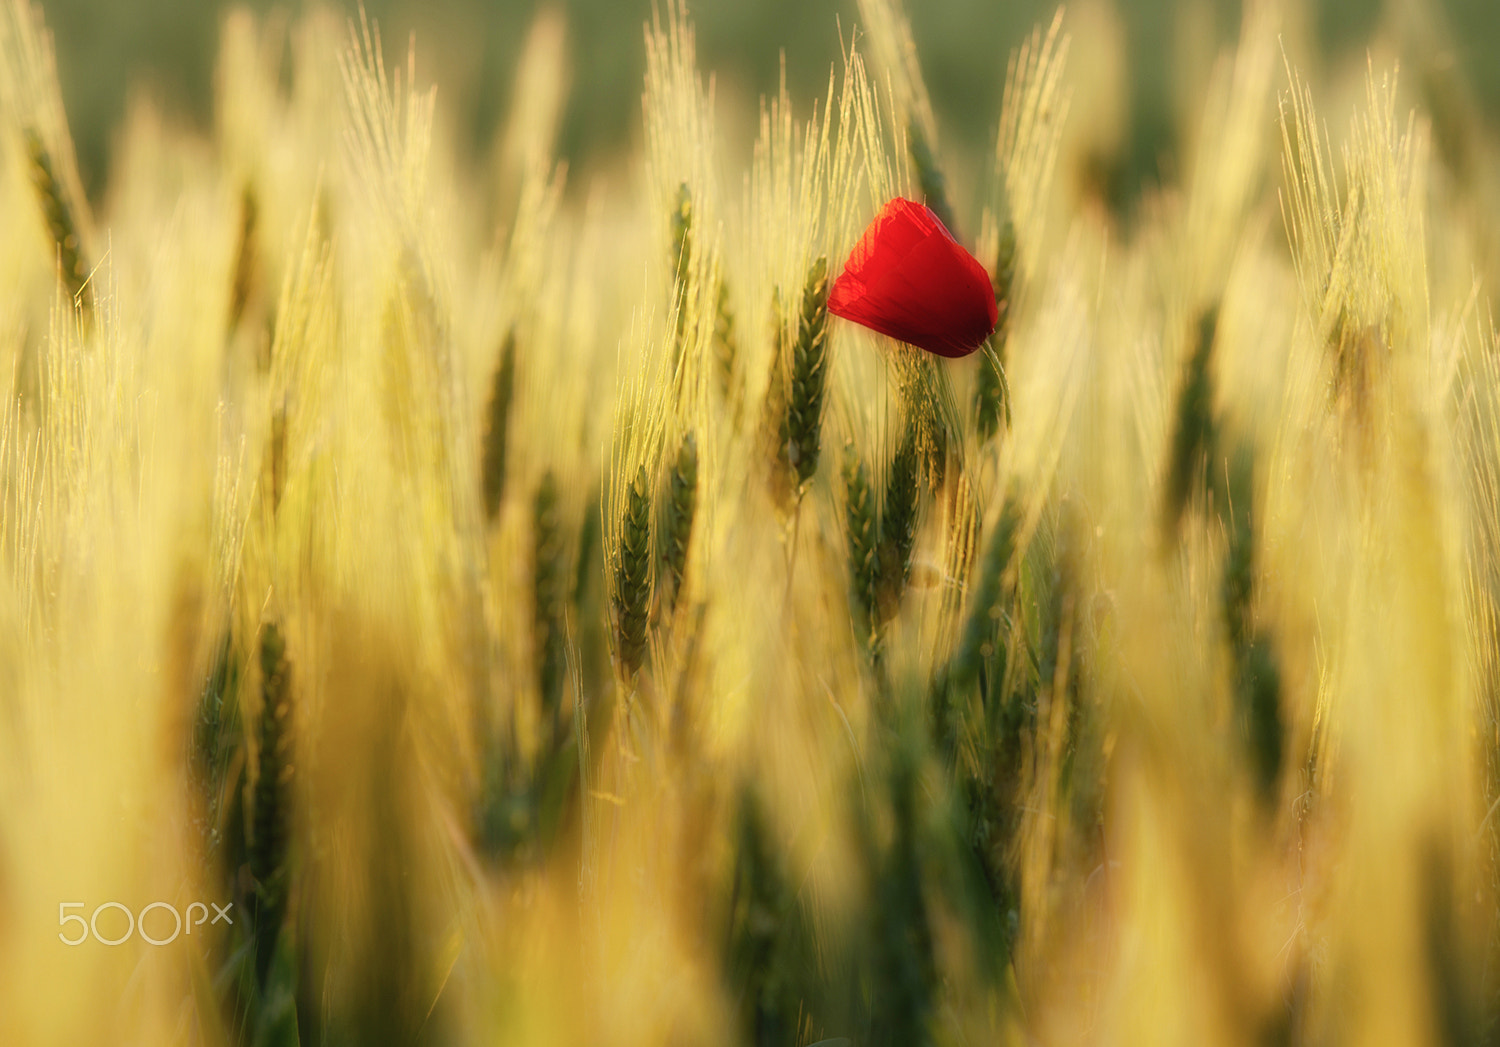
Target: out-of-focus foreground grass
{"type": "Point", "coordinates": [534, 619]}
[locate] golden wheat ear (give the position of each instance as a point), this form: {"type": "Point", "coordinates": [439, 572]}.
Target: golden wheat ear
{"type": "Point", "coordinates": [682, 259]}
{"type": "Point", "coordinates": [58, 215]}
{"type": "Point", "coordinates": [726, 356]}
{"type": "Point", "coordinates": [31, 106]}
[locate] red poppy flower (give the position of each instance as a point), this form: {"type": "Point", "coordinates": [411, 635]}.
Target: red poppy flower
{"type": "Point", "coordinates": [908, 278]}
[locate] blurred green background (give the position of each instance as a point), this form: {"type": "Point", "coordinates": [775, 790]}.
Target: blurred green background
{"type": "Point", "coordinates": [168, 47]}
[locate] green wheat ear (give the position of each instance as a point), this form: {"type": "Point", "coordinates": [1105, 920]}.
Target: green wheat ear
{"type": "Point", "coordinates": [550, 584]}
{"type": "Point", "coordinates": [678, 511]}
{"type": "Point", "coordinates": [276, 459]}
{"type": "Point", "coordinates": [1005, 280]}
{"type": "Point", "coordinates": [271, 799]}
{"type": "Point", "coordinates": [983, 630]}
{"type": "Point", "coordinates": [1193, 431]}
{"type": "Point", "coordinates": [904, 968]}
{"type": "Point", "coordinates": [58, 214]}
{"type": "Point", "coordinates": [992, 389]}
{"type": "Point", "coordinates": [930, 180]}
{"type": "Point", "coordinates": [898, 520]}
{"type": "Point", "coordinates": [801, 423]}
{"type": "Point", "coordinates": [863, 533]}
{"type": "Point", "coordinates": [245, 257]}
{"type": "Point", "coordinates": [761, 928]}
{"type": "Point", "coordinates": [502, 391]}
{"type": "Point", "coordinates": [1255, 664]}
{"type": "Point", "coordinates": [1458, 991]}
{"type": "Point", "coordinates": [216, 734]}
{"type": "Point", "coordinates": [632, 591]}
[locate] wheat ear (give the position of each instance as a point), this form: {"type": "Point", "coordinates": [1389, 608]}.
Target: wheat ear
{"type": "Point", "coordinates": [678, 512]}
{"type": "Point", "coordinates": [502, 391]}
{"type": "Point", "coordinates": [633, 582]}
{"type": "Point", "coordinates": [58, 214]}
{"type": "Point", "coordinates": [802, 422]}
{"type": "Point", "coordinates": [272, 799]}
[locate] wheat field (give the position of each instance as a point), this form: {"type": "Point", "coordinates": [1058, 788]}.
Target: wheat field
{"type": "Point", "coordinates": [442, 604]}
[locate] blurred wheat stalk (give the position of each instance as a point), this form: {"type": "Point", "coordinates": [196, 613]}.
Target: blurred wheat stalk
{"type": "Point", "coordinates": [544, 623]}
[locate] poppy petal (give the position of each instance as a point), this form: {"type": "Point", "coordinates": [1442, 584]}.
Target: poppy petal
{"type": "Point", "coordinates": [909, 279]}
